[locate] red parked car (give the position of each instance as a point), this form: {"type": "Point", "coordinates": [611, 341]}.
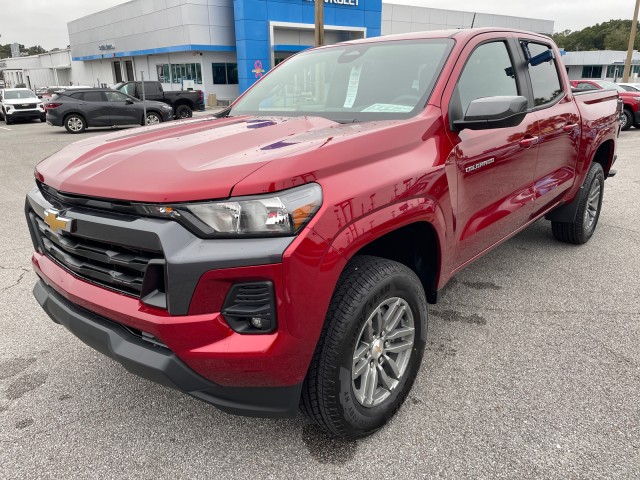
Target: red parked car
{"type": "Point", "coordinates": [630, 114]}
{"type": "Point", "coordinates": [284, 254]}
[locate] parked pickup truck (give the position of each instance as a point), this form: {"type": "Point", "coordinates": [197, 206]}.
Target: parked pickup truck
{"type": "Point", "coordinates": [285, 253]}
{"type": "Point", "coordinates": [631, 100]}
{"type": "Point", "coordinates": [184, 102]}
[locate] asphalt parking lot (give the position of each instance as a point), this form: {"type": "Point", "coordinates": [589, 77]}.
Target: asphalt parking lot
{"type": "Point", "coordinates": [532, 370]}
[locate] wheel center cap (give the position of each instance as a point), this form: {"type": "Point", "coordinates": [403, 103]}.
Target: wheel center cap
{"type": "Point", "coordinates": [377, 348]}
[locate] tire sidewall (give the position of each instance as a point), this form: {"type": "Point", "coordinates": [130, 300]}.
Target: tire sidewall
{"type": "Point", "coordinates": [181, 108]}
{"type": "Point", "coordinates": [369, 419]}
{"type": "Point", "coordinates": [596, 174]}
{"type": "Point", "coordinates": [629, 120]}
{"type": "Point", "coordinates": [154, 114]}
{"type": "Point", "coordinates": [66, 124]}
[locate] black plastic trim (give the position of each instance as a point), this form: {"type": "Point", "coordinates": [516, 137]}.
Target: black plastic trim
{"type": "Point", "coordinates": [187, 257]}
{"type": "Point", "coordinates": [160, 364]}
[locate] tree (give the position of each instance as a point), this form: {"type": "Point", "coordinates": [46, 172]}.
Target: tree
{"type": "Point", "coordinates": [37, 50]}
{"type": "Point", "coordinates": [611, 35]}
{"type": "Point", "coordinates": [5, 50]}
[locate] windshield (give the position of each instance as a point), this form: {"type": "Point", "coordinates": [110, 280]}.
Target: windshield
{"type": "Point", "coordinates": [19, 94]}
{"type": "Point", "coordinates": [611, 85]}
{"type": "Point", "coordinates": [629, 88]}
{"type": "Point", "coordinates": [348, 83]}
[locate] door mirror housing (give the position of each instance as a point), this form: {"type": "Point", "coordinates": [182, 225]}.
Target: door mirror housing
{"type": "Point", "coordinates": [493, 112]}
{"type": "Point", "coordinates": [129, 101]}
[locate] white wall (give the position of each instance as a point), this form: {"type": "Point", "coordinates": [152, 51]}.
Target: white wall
{"type": "Point", "coordinates": [150, 24]}
{"type": "Point", "coordinates": [405, 19]}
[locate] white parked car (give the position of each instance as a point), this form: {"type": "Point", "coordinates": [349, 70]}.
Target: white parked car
{"type": "Point", "coordinates": [20, 104]}
{"type": "Point", "coordinates": [630, 87]}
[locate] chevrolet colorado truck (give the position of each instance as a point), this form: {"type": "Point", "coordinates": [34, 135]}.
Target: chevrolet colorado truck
{"type": "Point", "coordinates": [282, 256]}
{"type": "Point", "coordinates": [184, 102]}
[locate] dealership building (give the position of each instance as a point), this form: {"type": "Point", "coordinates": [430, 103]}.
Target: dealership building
{"type": "Point", "coordinates": [224, 46]}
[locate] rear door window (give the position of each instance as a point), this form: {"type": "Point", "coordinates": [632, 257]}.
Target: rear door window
{"type": "Point", "coordinates": [544, 76]}
{"type": "Point", "coordinates": [93, 97]}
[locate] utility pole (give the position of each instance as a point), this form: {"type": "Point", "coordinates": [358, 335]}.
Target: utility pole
{"type": "Point", "coordinates": [320, 23]}
{"type": "Point", "coordinates": [144, 97]}
{"type": "Point", "coordinates": [632, 39]}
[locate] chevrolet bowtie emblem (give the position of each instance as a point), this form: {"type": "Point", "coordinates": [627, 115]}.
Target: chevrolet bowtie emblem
{"type": "Point", "coordinates": [56, 222]}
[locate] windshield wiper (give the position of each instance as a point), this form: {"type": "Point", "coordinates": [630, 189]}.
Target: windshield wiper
{"type": "Point", "coordinates": [223, 113]}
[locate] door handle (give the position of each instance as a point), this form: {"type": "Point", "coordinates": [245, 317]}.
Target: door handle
{"type": "Point", "coordinates": [527, 142]}
{"type": "Point", "coordinates": [570, 127]}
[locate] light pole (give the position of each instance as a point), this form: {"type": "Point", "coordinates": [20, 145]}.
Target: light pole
{"type": "Point", "coordinates": [320, 23]}
{"type": "Point", "coordinates": [632, 39]}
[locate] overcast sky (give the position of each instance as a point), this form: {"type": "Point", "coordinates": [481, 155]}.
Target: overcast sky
{"type": "Point", "coordinates": [44, 22]}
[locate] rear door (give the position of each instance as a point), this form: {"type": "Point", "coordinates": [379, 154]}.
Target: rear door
{"type": "Point", "coordinates": [494, 167]}
{"type": "Point", "coordinates": [123, 110]}
{"type": "Point", "coordinates": [558, 123]}
{"type": "Point", "coordinates": [93, 106]}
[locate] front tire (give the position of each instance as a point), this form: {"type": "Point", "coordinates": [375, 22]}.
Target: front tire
{"type": "Point", "coordinates": [370, 348]}
{"type": "Point", "coordinates": [75, 124]}
{"type": "Point", "coordinates": [626, 120]}
{"type": "Point", "coordinates": [589, 206]}
{"type": "Point", "coordinates": [183, 111]}
{"type": "Point", "coordinates": [153, 119]}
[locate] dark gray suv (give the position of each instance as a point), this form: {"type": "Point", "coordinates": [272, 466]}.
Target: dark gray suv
{"type": "Point", "coordinates": [78, 109]}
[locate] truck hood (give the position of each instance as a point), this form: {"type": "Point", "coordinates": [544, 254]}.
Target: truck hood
{"type": "Point", "coordinates": [189, 160]}
{"type": "Point", "coordinates": [205, 159]}
{"type": "Point", "coordinates": [21, 101]}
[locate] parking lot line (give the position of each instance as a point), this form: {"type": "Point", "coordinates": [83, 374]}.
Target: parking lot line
{"type": "Point", "coordinates": [5, 128]}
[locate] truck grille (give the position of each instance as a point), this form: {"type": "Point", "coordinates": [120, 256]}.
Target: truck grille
{"type": "Point", "coordinates": [25, 106]}
{"type": "Point", "coordinates": [113, 266]}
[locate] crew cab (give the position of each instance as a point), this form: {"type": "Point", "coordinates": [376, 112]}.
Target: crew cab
{"type": "Point", "coordinates": [184, 102]}
{"type": "Point", "coordinates": [631, 111]}
{"type": "Point", "coordinates": [284, 254]}
{"type": "Point", "coordinates": [20, 104]}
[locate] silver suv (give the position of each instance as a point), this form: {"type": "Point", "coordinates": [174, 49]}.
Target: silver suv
{"type": "Point", "coordinates": [20, 103]}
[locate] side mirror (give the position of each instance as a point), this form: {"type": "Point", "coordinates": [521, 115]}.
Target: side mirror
{"type": "Point", "coordinates": [129, 101]}
{"type": "Point", "coordinates": [493, 112]}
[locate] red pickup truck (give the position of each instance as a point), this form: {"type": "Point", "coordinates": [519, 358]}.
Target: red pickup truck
{"type": "Point", "coordinates": [631, 100]}
{"type": "Point", "coordinates": [283, 255]}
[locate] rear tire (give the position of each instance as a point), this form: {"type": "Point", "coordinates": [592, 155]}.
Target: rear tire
{"type": "Point", "coordinates": [626, 120]}
{"type": "Point", "coordinates": [183, 111]}
{"type": "Point", "coordinates": [74, 123]}
{"type": "Point", "coordinates": [365, 363]}
{"type": "Point", "coordinates": [589, 206]}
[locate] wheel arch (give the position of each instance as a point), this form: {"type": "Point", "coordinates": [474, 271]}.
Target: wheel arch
{"type": "Point", "coordinates": [604, 156]}
{"type": "Point", "coordinates": [415, 245]}
{"type": "Point", "coordinates": [74, 112]}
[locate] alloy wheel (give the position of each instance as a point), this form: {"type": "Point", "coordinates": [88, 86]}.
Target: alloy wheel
{"type": "Point", "coordinates": [382, 353]}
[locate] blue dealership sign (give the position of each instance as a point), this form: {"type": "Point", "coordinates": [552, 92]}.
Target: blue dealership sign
{"type": "Point", "coordinates": [254, 33]}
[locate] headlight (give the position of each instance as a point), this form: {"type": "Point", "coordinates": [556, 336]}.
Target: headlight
{"type": "Point", "coordinates": [637, 99]}
{"type": "Point", "coordinates": [278, 214]}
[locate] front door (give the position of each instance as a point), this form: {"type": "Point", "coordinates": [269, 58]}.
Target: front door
{"type": "Point", "coordinates": [494, 167]}
{"type": "Point", "coordinates": [131, 76]}
{"type": "Point", "coordinates": [123, 110]}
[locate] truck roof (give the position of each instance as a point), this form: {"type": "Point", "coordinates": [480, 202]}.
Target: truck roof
{"type": "Point", "coordinates": [461, 34]}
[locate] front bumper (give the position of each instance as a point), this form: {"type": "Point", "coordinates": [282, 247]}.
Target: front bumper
{"type": "Point", "coordinates": [26, 114]}
{"type": "Point", "coordinates": [160, 364]}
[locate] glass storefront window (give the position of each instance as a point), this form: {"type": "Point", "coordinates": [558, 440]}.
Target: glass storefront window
{"type": "Point", "coordinates": [177, 72]}
{"type": "Point", "coordinates": [225, 73]}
